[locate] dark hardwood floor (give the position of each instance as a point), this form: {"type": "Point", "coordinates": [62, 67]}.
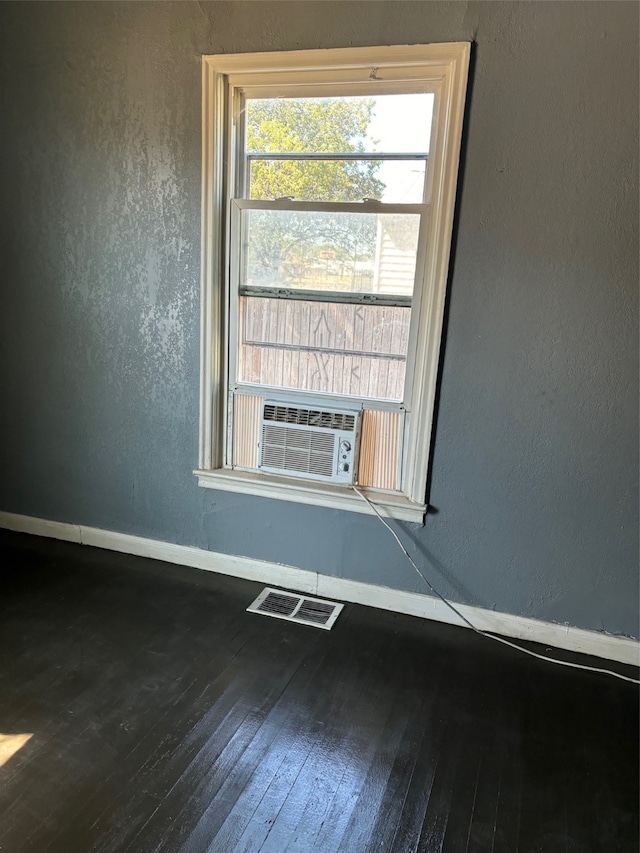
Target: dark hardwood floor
{"type": "Point", "coordinates": [162, 717]}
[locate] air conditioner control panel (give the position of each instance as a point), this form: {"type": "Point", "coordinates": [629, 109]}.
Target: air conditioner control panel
{"type": "Point", "coordinates": [345, 457]}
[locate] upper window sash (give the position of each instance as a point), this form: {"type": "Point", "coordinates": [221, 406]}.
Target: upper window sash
{"type": "Point", "coordinates": [246, 157]}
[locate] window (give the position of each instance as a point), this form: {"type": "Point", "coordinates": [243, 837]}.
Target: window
{"type": "Point", "coordinates": [328, 192]}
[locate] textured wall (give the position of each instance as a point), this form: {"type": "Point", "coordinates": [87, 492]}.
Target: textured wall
{"type": "Point", "coordinates": [535, 466]}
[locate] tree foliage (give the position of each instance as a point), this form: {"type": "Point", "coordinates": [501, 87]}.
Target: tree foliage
{"type": "Point", "coordinates": [311, 125]}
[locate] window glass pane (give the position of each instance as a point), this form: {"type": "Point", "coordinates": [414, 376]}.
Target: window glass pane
{"type": "Point", "coordinates": [345, 252]}
{"type": "Point", "coordinates": [332, 348]}
{"type": "Point", "coordinates": [379, 123]}
{"type": "Point", "coordinates": [382, 124]}
{"type": "Point", "coordinates": [400, 181]}
{"type": "Point", "coordinates": [400, 123]}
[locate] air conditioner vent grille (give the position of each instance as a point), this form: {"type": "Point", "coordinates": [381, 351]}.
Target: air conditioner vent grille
{"type": "Point", "coordinates": [296, 450]}
{"type": "Point", "coordinates": [309, 417]}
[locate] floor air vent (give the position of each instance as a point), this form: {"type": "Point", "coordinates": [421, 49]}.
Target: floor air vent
{"type": "Point", "coordinates": [296, 608]}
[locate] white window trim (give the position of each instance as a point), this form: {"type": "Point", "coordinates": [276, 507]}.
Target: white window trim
{"type": "Point", "coordinates": [444, 67]}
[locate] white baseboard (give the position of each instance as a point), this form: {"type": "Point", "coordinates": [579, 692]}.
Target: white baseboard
{"type": "Point", "coordinates": [609, 646]}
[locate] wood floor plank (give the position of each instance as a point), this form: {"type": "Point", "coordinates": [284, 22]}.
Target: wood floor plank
{"type": "Point", "coordinates": [546, 753]}
{"type": "Point", "coordinates": [180, 725]}
{"type": "Point", "coordinates": [304, 728]}
{"type": "Point", "coordinates": [356, 704]}
{"type": "Point", "coordinates": [201, 798]}
{"type": "Point", "coordinates": [386, 786]}
{"type": "Point", "coordinates": [455, 838]}
{"type": "Point", "coordinates": [427, 769]}
{"type": "Point", "coordinates": [165, 718]}
{"type": "Point", "coordinates": [186, 784]}
{"type": "Point", "coordinates": [124, 708]}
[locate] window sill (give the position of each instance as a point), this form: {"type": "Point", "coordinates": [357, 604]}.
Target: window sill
{"type": "Point", "coordinates": [317, 494]}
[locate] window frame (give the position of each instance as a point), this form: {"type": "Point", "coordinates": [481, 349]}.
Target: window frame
{"type": "Point", "coordinates": [438, 68]}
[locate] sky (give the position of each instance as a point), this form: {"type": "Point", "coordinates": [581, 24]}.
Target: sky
{"type": "Point", "coordinates": [402, 123]}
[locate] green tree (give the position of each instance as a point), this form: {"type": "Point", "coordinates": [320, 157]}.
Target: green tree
{"type": "Point", "coordinates": [281, 242]}
{"type": "Point", "coordinates": [311, 126]}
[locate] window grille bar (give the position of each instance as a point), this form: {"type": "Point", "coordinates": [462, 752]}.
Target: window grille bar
{"type": "Point", "coordinates": [326, 296]}
{"type": "Point", "coordinates": [347, 155]}
{"type": "Point", "coordinates": [364, 206]}
{"type": "Point", "coordinates": [357, 353]}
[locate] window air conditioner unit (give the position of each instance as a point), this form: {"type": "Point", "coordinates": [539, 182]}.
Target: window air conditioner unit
{"type": "Point", "coordinates": [313, 443]}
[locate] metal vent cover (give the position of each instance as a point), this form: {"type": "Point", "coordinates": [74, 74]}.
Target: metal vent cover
{"type": "Point", "coordinates": [291, 449]}
{"type": "Point", "coordinates": [296, 608]}
{"type": "Point", "coordinates": [284, 414]}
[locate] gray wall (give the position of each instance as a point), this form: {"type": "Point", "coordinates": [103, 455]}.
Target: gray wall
{"type": "Point", "coordinates": [535, 466]}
